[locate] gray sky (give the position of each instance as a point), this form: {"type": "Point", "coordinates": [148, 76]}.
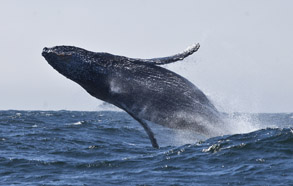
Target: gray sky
{"type": "Point", "coordinates": [245, 62]}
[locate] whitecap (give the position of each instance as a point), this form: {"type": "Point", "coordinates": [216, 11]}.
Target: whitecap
{"type": "Point", "coordinates": [78, 123]}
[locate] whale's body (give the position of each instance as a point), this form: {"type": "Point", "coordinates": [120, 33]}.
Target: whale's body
{"type": "Point", "coordinates": [143, 89]}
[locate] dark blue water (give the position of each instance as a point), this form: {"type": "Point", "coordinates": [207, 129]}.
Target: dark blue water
{"type": "Point", "coordinates": [110, 148]}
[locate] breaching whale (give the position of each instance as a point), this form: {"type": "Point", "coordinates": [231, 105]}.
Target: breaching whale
{"type": "Point", "coordinates": [146, 91]}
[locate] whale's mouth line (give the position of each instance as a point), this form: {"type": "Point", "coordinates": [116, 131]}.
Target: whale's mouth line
{"type": "Point", "coordinates": [47, 51]}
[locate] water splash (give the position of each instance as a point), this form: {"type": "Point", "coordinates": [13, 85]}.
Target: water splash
{"type": "Point", "coordinates": [241, 123]}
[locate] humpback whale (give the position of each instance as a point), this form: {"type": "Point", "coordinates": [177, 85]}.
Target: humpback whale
{"type": "Point", "coordinates": [140, 87]}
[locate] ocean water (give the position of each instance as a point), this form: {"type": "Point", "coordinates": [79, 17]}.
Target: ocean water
{"type": "Point", "coordinates": [110, 148]}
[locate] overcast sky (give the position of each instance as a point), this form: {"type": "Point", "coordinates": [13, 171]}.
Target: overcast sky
{"type": "Point", "coordinates": [245, 62]}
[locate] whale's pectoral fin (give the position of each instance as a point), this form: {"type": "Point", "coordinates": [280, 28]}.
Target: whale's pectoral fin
{"type": "Point", "coordinates": [147, 129]}
{"type": "Point", "coordinates": [170, 59]}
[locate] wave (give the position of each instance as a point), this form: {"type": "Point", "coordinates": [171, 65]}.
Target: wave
{"type": "Point", "coordinates": [86, 148]}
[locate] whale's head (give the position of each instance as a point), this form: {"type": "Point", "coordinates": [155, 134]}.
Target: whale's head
{"type": "Point", "coordinates": [69, 61]}
{"type": "Point", "coordinates": [82, 66]}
